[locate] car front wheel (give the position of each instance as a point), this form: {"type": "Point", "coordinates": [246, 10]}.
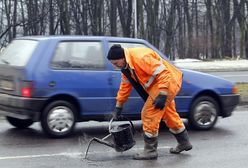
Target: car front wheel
{"type": "Point", "coordinates": [19, 123]}
{"type": "Point", "coordinates": [204, 113]}
{"type": "Point", "coordinates": [58, 119]}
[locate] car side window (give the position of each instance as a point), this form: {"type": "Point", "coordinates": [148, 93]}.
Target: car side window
{"type": "Point", "coordinates": [85, 55]}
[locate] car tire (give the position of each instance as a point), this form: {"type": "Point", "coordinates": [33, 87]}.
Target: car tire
{"type": "Point", "coordinates": [203, 113]}
{"type": "Point", "coordinates": [58, 119]}
{"type": "Point", "coordinates": [19, 123]}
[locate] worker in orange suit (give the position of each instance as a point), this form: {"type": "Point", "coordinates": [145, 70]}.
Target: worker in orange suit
{"type": "Point", "coordinates": [158, 82]}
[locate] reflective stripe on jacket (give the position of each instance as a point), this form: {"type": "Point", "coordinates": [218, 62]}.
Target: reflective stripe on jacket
{"type": "Point", "coordinates": [149, 67]}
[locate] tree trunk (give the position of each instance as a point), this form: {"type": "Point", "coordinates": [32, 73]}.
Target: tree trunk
{"type": "Point", "coordinates": [113, 18]}
{"type": "Point", "coordinates": [197, 29]}
{"type": "Point", "coordinates": [169, 29]}
{"type": "Point", "coordinates": [181, 46]}
{"type": "Point", "coordinates": [95, 13]}
{"type": "Point", "coordinates": [227, 27]}
{"type": "Point", "coordinates": [211, 28]}
{"type": "Point", "coordinates": [189, 28]}
{"type": "Point", "coordinates": [51, 18]}
{"type": "Point", "coordinates": [125, 8]}
{"type": "Point", "coordinates": [14, 18]}
{"type": "Point", "coordinates": [153, 31]}
{"type": "Point", "coordinates": [7, 6]}
{"type": "Point", "coordinates": [140, 21]}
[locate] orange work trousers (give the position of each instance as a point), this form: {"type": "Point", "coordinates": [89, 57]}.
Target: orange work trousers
{"type": "Point", "coordinates": [151, 117]}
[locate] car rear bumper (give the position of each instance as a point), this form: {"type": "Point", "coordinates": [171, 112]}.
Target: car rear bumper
{"type": "Point", "coordinates": [21, 107]}
{"type": "Point", "coordinates": [229, 102]}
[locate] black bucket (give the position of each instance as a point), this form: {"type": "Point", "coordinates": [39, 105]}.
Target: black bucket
{"type": "Point", "coordinates": [123, 137]}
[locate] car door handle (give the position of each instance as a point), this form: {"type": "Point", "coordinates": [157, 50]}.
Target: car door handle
{"type": "Point", "coordinates": [52, 84]}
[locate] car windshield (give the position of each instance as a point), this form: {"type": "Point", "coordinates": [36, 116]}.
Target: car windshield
{"type": "Point", "coordinates": [18, 52]}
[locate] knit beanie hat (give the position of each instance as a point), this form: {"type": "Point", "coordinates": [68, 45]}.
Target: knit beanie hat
{"type": "Point", "coordinates": [116, 52]}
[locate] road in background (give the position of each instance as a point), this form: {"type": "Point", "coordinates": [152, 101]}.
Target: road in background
{"type": "Point", "coordinates": [234, 76]}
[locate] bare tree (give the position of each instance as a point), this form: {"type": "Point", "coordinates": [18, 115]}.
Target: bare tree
{"type": "Point", "coordinates": [246, 32]}
{"type": "Point", "coordinates": [152, 10]}
{"type": "Point", "coordinates": [7, 6]}
{"type": "Point", "coordinates": [169, 29]}
{"type": "Point", "coordinates": [64, 16]}
{"type": "Point", "coordinates": [82, 9]}
{"type": "Point", "coordinates": [183, 28]}
{"type": "Point", "coordinates": [113, 18]}
{"type": "Point", "coordinates": [227, 27]}
{"type": "Point", "coordinates": [51, 17]}
{"type": "Point", "coordinates": [181, 37]}
{"type": "Point", "coordinates": [140, 21]}
{"type": "Point", "coordinates": [125, 8]}
{"type": "Point", "coordinates": [209, 11]}
{"type": "Point", "coordinates": [96, 16]}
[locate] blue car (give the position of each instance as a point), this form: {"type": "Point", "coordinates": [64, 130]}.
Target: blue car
{"type": "Point", "coordinates": [61, 80]}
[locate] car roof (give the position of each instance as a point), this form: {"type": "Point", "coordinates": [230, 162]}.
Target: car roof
{"type": "Point", "coordinates": [79, 37]}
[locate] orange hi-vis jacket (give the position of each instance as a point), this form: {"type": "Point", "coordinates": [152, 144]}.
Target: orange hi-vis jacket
{"type": "Point", "coordinates": [149, 68]}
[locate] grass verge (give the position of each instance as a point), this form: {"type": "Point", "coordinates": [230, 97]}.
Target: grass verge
{"type": "Point", "coordinates": [243, 91]}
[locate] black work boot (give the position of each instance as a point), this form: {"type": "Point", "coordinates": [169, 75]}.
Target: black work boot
{"type": "Point", "coordinates": [150, 149]}
{"type": "Point", "coordinates": [183, 143]}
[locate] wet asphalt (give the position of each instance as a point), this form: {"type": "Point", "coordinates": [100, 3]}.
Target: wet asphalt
{"type": "Point", "coordinates": [225, 146]}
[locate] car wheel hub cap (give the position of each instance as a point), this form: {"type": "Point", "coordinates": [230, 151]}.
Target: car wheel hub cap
{"type": "Point", "coordinates": [60, 119]}
{"type": "Point", "coordinates": [205, 113]}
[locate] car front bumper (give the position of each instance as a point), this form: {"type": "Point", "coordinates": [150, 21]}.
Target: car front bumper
{"type": "Point", "coordinates": [229, 102]}
{"type": "Point", "coordinates": [21, 107]}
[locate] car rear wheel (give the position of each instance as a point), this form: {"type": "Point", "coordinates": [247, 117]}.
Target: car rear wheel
{"type": "Point", "coordinates": [58, 119]}
{"type": "Point", "coordinates": [204, 113]}
{"type": "Point", "coordinates": [19, 123]}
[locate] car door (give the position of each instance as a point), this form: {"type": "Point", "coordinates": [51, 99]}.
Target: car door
{"type": "Point", "coordinates": [79, 69]}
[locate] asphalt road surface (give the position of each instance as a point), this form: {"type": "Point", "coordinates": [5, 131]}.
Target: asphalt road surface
{"type": "Point", "coordinates": [225, 146]}
{"type": "Point", "coordinates": [234, 76]}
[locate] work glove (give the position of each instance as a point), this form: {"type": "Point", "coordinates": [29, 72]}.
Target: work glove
{"type": "Point", "coordinates": [159, 101]}
{"type": "Point", "coordinates": [116, 113]}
